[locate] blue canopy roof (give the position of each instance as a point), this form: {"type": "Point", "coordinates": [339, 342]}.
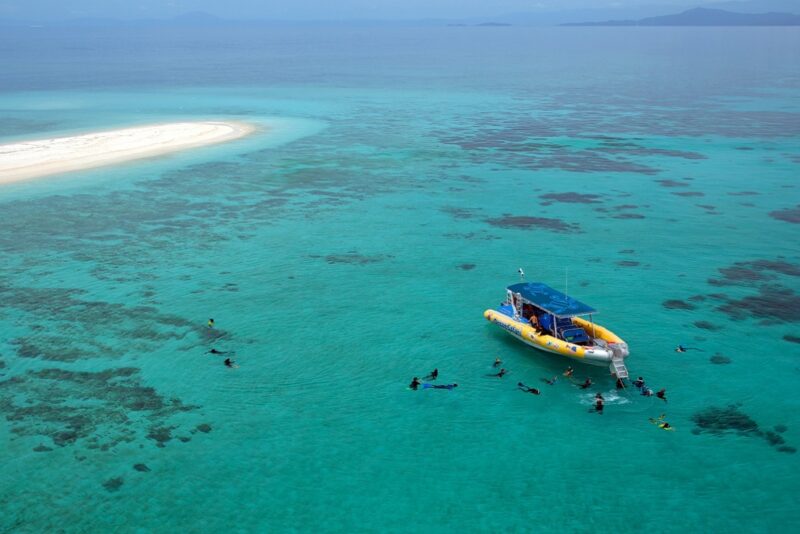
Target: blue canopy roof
{"type": "Point", "coordinates": [550, 300]}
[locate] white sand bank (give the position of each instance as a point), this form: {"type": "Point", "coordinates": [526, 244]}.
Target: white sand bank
{"type": "Point", "coordinates": [33, 159]}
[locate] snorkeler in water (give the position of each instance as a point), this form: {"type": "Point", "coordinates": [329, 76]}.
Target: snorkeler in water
{"type": "Point", "coordinates": [662, 394]}
{"type": "Point", "coordinates": [414, 383]}
{"type": "Point", "coordinates": [599, 402]}
{"type": "Point", "coordinates": [230, 363]}
{"type": "Point", "coordinates": [568, 372]}
{"type": "Point", "coordinates": [586, 384]}
{"type": "Point", "coordinates": [681, 348]}
{"type": "Point", "coordinates": [497, 362]}
{"type": "Point", "coordinates": [211, 323]}
{"type": "Point", "coordinates": [448, 387]}
{"type": "Point", "coordinates": [550, 381]}
{"type": "Point", "coordinates": [527, 389]}
{"type": "Point", "coordinates": [215, 351]}
{"type": "Point", "coordinates": [433, 375]}
{"type": "Point", "coordinates": [501, 374]}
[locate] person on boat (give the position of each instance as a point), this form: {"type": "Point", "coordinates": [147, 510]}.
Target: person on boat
{"type": "Point", "coordinates": [681, 348]}
{"type": "Point", "coordinates": [414, 383]}
{"type": "Point", "coordinates": [534, 321]}
{"type": "Point", "coordinates": [211, 323]}
{"type": "Point", "coordinates": [639, 382]}
{"type": "Point", "coordinates": [587, 384]}
{"type": "Point", "coordinates": [433, 375]}
{"type": "Point", "coordinates": [527, 389]}
{"type": "Point", "coordinates": [568, 373]}
{"type": "Point", "coordinates": [662, 394]}
{"type": "Point", "coordinates": [497, 362]}
{"type": "Point", "coordinates": [448, 387]}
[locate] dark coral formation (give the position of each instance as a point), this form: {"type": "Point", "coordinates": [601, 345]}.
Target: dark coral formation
{"type": "Point", "coordinates": [690, 194]}
{"type": "Point", "coordinates": [354, 258]}
{"type": "Point", "coordinates": [141, 468]}
{"type": "Point", "coordinates": [772, 303]}
{"type": "Point", "coordinates": [672, 183]}
{"type": "Point", "coordinates": [720, 421]}
{"type": "Point", "coordinates": [790, 215]}
{"type": "Point", "coordinates": [720, 359]}
{"type": "Point", "coordinates": [467, 266]}
{"type": "Point", "coordinates": [103, 408]}
{"type": "Point", "coordinates": [627, 263]}
{"type": "Point", "coordinates": [204, 427]}
{"type": "Point", "coordinates": [571, 198]}
{"type": "Point", "coordinates": [706, 325]}
{"type": "Point", "coordinates": [676, 304]}
{"type": "Point", "coordinates": [524, 222]}
{"type": "Point", "coordinates": [113, 484]}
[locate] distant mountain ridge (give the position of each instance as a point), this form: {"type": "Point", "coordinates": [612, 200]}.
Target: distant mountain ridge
{"type": "Point", "coordinates": [704, 17]}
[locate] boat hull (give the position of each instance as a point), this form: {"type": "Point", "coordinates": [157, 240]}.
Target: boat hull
{"type": "Point", "coordinates": [594, 355]}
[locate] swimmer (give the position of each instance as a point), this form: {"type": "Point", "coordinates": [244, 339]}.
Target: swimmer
{"type": "Point", "coordinates": [527, 389]}
{"type": "Point", "coordinates": [414, 383]}
{"type": "Point", "coordinates": [647, 392]}
{"type": "Point", "coordinates": [660, 423]}
{"type": "Point", "coordinates": [568, 372]}
{"type": "Point", "coordinates": [215, 351]}
{"type": "Point", "coordinates": [598, 403]}
{"type": "Point", "coordinates": [497, 362]}
{"type": "Point", "coordinates": [551, 381]}
{"type": "Point", "coordinates": [434, 374]}
{"type": "Point", "coordinates": [521, 273]}
{"type": "Point", "coordinates": [681, 348]}
{"type": "Point", "coordinates": [211, 323]}
{"type": "Point", "coordinates": [230, 363]}
{"type": "Point", "coordinates": [639, 382]}
{"type": "Point", "coordinates": [586, 384]}
{"type": "Point", "coordinates": [448, 387]}
{"type": "Point", "coordinates": [662, 394]}
{"type": "Point", "coordinates": [501, 374]}
{"type": "Point", "coordinates": [620, 384]}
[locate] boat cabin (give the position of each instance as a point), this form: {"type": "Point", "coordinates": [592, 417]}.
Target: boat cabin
{"type": "Point", "coordinates": [549, 310]}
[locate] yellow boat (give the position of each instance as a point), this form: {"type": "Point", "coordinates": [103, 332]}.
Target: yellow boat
{"type": "Point", "coordinates": [549, 320]}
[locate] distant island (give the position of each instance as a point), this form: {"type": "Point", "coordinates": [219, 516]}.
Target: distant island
{"type": "Point", "coordinates": [704, 17]}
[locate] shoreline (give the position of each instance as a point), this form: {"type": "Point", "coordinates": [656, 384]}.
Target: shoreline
{"type": "Point", "coordinates": [26, 160]}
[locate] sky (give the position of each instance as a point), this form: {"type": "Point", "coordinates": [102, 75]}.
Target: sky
{"type": "Point", "coordinates": [296, 9]}
{"type": "Point", "coordinates": [309, 9]}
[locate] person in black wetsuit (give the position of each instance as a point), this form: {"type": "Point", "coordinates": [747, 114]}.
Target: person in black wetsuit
{"type": "Point", "coordinates": [501, 374]}
{"type": "Point", "coordinates": [228, 362]}
{"type": "Point", "coordinates": [662, 394]}
{"type": "Point", "coordinates": [527, 389]}
{"type": "Point", "coordinates": [215, 351]}
{"type": "Point", "coordinates": [586, 384]}
{"type": "Point", "coordinates": [681, 348]}
{"type": "Point", "coordinates": [434, 374]}
{"type": "Point", "coordinates": [639, 382]}
{"type": "Point", "coordinates": [599, 401]}
{"type": "Point", "coordinates": [414, 383]}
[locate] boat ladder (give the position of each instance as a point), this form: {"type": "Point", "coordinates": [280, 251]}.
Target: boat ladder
{"type": "Point", "coordinates": [618, 367]}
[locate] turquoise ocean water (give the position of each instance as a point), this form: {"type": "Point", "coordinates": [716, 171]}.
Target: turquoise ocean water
{"type": "Point", "coordinates": [399, 179]}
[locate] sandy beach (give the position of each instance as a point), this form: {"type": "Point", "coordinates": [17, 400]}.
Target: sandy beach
{"type": "Point", "coordinates": [37, 158]}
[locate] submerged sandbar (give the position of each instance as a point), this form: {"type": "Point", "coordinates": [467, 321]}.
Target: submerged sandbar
{"type": "Point", "coordinates": [33, 159]}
